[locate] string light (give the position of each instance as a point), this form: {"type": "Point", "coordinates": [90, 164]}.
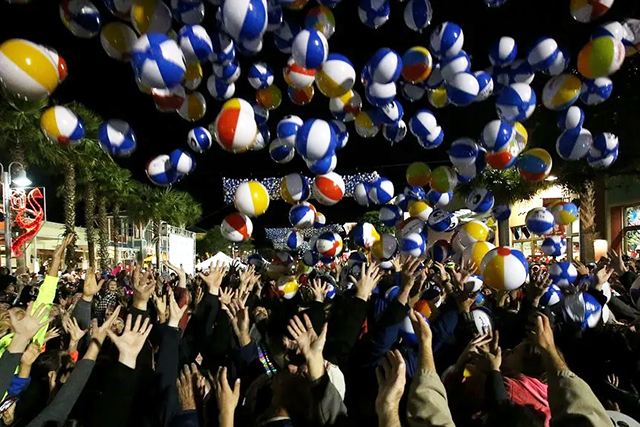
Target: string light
{"type": "Point", "coordinates": [278, 235]}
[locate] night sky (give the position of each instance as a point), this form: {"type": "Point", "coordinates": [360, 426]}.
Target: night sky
{"type": "Point", "coordinates": [108, 87]}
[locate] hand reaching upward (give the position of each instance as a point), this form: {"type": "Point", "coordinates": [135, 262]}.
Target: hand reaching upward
{"type": "Point", "coordinates": [215, 277]}
{"type": "Point", "coordinates": [132, 340]}
{"type": "Point", "coordinates": [310, 344]}
{"type": "Point", "coordinates": [369, 277]}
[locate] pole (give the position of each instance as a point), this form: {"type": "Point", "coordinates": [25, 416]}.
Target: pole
{"type": "Point", "coordinates": [6, 189]}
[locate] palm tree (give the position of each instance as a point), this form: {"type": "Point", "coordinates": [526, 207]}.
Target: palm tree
{"type": "Point", "coordinates": [121, 187]}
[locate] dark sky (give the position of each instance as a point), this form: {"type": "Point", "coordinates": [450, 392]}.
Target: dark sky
{"type": "Point", "coordinates": [108, 87]}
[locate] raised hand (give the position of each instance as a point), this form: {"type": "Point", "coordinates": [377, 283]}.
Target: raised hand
{"type": "Point", "coordinates": [226, 397]}
{"type": "Point", "coordinates": [491, 354]}
{"type": "Point", "coordinates": [132, 340]}
{"type": "Point", "coordinates": [215, 277]}
{"type": "Point", "coordinates": [143, 287]}
{"type": "Point", "coordinates": [425, 337]}
{"type": "Point", "coordinates": [461, 276]}
{"type": "Point", "coordinates": [542, 333]}
{"type": "Point", "coordinates": [248, 279]}
{"type": "Point", "coordinates": [199, 295]}
{"type": "Point", "coordinates": [91, 287]}
{"type": "Point", "coordinates": [538, 284]}
{"type": "Point", "coordinates": [310, 344]}
{"type": "Point", "coordinates": [26, 327]}
{"type": "Point", "coordinates": [226, 295]}
{"type": "Point", "coordinates": [582, 269]}
{"type": "Point", "coordinates": [58, 254]}
{"type": "Point", "coordinates": [319, 290]}
{"type": "Point", "coordinates": [409, 268]}
{"type": "Point", "coordinates": [161, 307]}
{"type": "Point", "coordinates": [175, 312]}
{"type": "Point", "coordinates": [51, 334]}
{"type": "Point", "coordinates": [70, 325]}
{"type": "Point", "coordinates": [185, 385]}
{"type": "Point", "coordinates": [392, 378]}
{"type": "Point", "coordinates": [617, 262]}
{"type": "Point", "coordinates": [240, 320]}
{"type": "Point", "coordinates": [603, 275]}
{"type": "Point", "coordinates": [99, 333]}
{"type": "Point", "coordinates": [442, 276]}
{"type": "Point", "coordinates": [369, 277]}
{"type": "Point", "coordinates": [182, 275]}
{"type": "Point", "coordinates": [30, 355]}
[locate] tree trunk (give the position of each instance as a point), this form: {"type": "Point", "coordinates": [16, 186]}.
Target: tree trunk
{"type": "Point", "coordinates": [17, 155]}
{"type": "Point", "coordinates": [103, 241]}
{"type": "Point", "coordinates": [89, 217]}
{"type": "Point", "coordinates": [587, 223]}
{"type": "Point", "coordinates": [116, 231]}
{"type": "Point", "coordinates": [156, 230]}
{"type": "Point", "coordinates": [70, 212]}
{"type": "Point", "coordinates": [503, 233]}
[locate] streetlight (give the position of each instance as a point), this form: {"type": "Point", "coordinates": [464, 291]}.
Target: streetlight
{"type": "Point", "coordinates": [20, 180]}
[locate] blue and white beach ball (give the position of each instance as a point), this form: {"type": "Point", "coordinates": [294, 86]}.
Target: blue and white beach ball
{"type": "Point", "coordinates": [496, 135]}
{"type": "Point", "coordinates": [503, 52]}
{"type": "Point", "coordinates": [385, 66]}
{"type": "Point", "coordinates": [315, 139]}
{"type": "Point", "coordinates": [391, 112]}
{"type": "Point", "coordinates": [390, 215]}
{"type": "Point", "coordinates": [540, 221]}
{"type": "Point", "coordinates": [160, 172]}
{"type": "Point", "coordinates": [382, 191]}
{"type": "Point", "coordinates": [324, 165]}
{"type": "Point", "coordinates": [284, 35]}
{"type": "Point", "coordinates": [310, 48]}
{"type": "Point", "coordinates": [571, 118]}
{"type": "Point", "coordinates": [281, 152]}
{"type": "Point", "coordinates": [413, 244]}
{"type": "Point", "coordinates": [480, 200]}
{"type": "Point", "coordinates": [294, 188]}
{"type": "Point", "coordinates": [423, 125]}
{"type": "Point", "coordinates": [418, 14]}
{"type": "Point", "coordinates": [574, 144]}
{"type": "Point", "coordinates": [361, 193]}
{"type": "Point", "coordinates": [446, 40]}
{"type": "Point", "coordinates": [516, 103]}
{"type": "Point", "coordinates": [463, 152]}
{"type": "Point", "coordinates": [582, 309]}
{"type": "Point", "coordinates": [364, 235]}
{"type": "Point", "coordinates": [554, 246]}
{"type": "Point", "coordinates": [195, 43]}
{"type": "Point", "coordinates": [439, 199]}
{"type": "Point", "coordinates": [287, 129]}
{"type": "Point", "coordinates": [81, 17]}
{"type": "Point", "coordinates": [182, 162]}
{"type": "Point", "coordinates": [563, 274]}
{"type": "Point", "coordinates": [604, 151]}
{"type": "Point", "coordinates": [452, 65]}
{"type": "Point", "coordinates": [220, 89]}
{"type": "Point", "coordinates": [245, 19]}
{"type": "Point", "coordinates": [501, 212]}
{"type": "Point", "coordinates": [374, 13]}
{"type": "Point", "coordinates": [440, 251]}
{"type": "Point", "coordinates": [302, 215]}
{"type": "Point", "coordinates": [117, 138]}
{"type": "Point", "coordinates": [379, 94]}
{"type": "Point", "coordinates": [551, 297]}
{"type": "Point", "coordinates": [543, 54]}
{"type": "Point", "coordinates": [596, 91]}
{"type": "Point", "coordinates": [439, 220]}
{"type": "Point", "coordinates": [224, 49]}
{"type": "Point", "coordinates": [62, 126]}
{"type": "Point", "coordinates": [394, 132]}
{"type": "Point", "coordinates": [158, 61]}
{"type": "Point", "coordinates": [260, 75]}
{"type": "Point", "coordinates": [462, 89]}
{"type": "Point", "coordinates": [229, 72]}
{"type": "Point", "coordinates": [342, 134]}
{"type": "Point", "coordinates": [485, 85]}
{"type": "Point", "coordinates": [293, 240]}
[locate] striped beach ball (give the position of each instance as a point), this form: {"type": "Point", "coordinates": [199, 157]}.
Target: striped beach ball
{"type": "Point", "coordinates": [564, 213]}
{"type": "Point", "coordinates": [374, 13]}
{"type": "Point", "coordinates": [385, 66]}
{"type": "Point", "coordinates": [446, 40]}
{"type": "Point", "coordinates": [194, 107]}
{"type": "Point", "coordinates": [423, 125]}
{"type": "Point", "coordinates": [418, 174]}
{"type": "Point", "coordinates": [571, 118]}
{"type": "Point", "coordinates": [182, 162]}
{"type": "Point", "coordinates": [364, 235]}
{"type": "Point", "coordinates": [501, 212]}
{"type": "Point", "coordinates": [554, 246]}
{"type": "Point", "coordinates": [574, 144]}
{"type": "Point", "coordinates": [260, 75]}
{"type": "Point", "coordinates": [119, 8]}
{"type": "Point", "coordinates": [220, 89]}
{"type": "Point", "coordinates": [435, 198]}
{"type": "Point", "coordinates": [462, 89]}
{"type": "Point", "coordinates": [302, 215]}
{"type": "Point", "coordinates": [315, 139]}
{"type": "Point", "coordinates": [583, 310]}
{"type": "Point", "coordinates": [261, 114]}
{"type": "Point", "coordinates": [601, 57]}
{"type": "Point", "coordinates": [452, 65]}
{"type": "Point", "coordinates": [320, 221]}
{"type": "Point", "coordinates": [228, 71]}
{"type": "Point", "coordinates": [195, 43]}
{"type": "Point", "coordinates": [603, 151]}
{"type": "Point", "coordinates": [328, 189]}
{"type": "Point", "coordinates": [199, 139]}
{"type": "Point", "coordinates": [150, 16]}
{"type": "Point", "coordinates": [187, 12]}
{"type": "Point", "coordinates": [552, 296]}
{"type": "Point", "coordinates": [413, 244]}
{"type": "Point", "coordinates": [275, 15]}
{"type": "Point", "coordinates": [284, 35]}
{"type": "Point", "coordinates": [298, 76]}
{"type": "Point", "coordinates": [416, 64]}
{"type": "Point", "coordinates": [503, 52]}
{"type": "Point", "coordinates": [117, 138]}
{"type": "Point", "coordinates": [471, 232]}
{"type": "Point", "coordinates": [516, 103]}
{"type": "Point", "coordinates": [543, 54]}
{"type": "Point", "coordinates": [245, 19]}
{"type": "Point", "coordinates": [310, 49]}
{"type": "Point", "coordinates": [281, 151]}
{"type": "Point", "coordinates": [192, 75]}
{"type": "Point", "coordinates": [336, 77]}
{"type": "Point", "coordinates": [293, 240]}
{"type": "Point", "coordinates": [235, 128]}
{"type": "Point", "coordinates": [294, 188]}
{"type": "Point", "coordinates": [476, 252]}
{"type": "Point", "coordinates": [385, 248]}
{"type": "Point", "coordinates": [322, 166]}
{"type": "Point", "coordinates": [560, 92]}
{"type": "Point", "coordinates": [263, 137]}
{"type": "Point", "coordinates": [310, 258]}
{"type": "Point", "coordinates": [329, 244]}
{"type": "Point", "coordinates": [480, 200]}
{"type": "Point", "coordinates": [379, 94]}
{"type": "Point", "coordinates": [534, 164]}
{"type": "Point", "coordinates": [288, 288]}
{"type": "Point", "coordinates": [300, 96]}
{"type": "Point", "coordinates": [540, 221]}
{"type": "Point", "coordinates": [596, 91]}
{"type": "Point", "coordinates": [81, 17]}
{"type": "Point", "coordinates": [60, 125]}
{"type": "Point", "coordinates": [443, 179]}
{"type": "Point", "coordinates": [563, 274]}
{"type": "Point", "coordinates": [520, 71]}
{"type": "Point", "coordinates": [287, 129]}
{"type": "Point", "coordinates": [342, 134]}
{"type": "Point", "coordinates": [381, 191]}
{"type": "Point", "coordinates": [346, 107]}
{"type": "Point", "coordinates": [463, 152]}
{"type": "Point", "coordinates": [394, 132]}
{"type": "Point", "coordinates": [496, 135]}
{"type": "Point", "coordinates": [505, 157]}
{"type": "Point", "coordinates": [361, 193]}
{"type": "Point", "coordinates": [439, 219]}
{"type": "Point", "coordinates": [418, 14]}
{"type": "Point", "coordinates": [390, 215]}
{"type": "Point", "coordinates": [410, 225]}
{"type": "Point", "coordinates": [236, 227]}
{"type": "Point", "coordinates": [504, 268]}
{"type": "Point", "coordinates": [117, 40]}
{"type": "Point", "coordinates": [27, 71]}
{"type": "Point", "coordinates": [224, 50]}
{"type": "Point", "coordinates": [252, 198]}
{"type": "Point", "coordinates": [158, 61]}
{"type": "Point", "coordinates": [160, 172]}
{"type": "Point", "coordinates": [589, 10]}
{"type": "Point", "coordinates": [485, 85]}
{"type": "Point", "coordinates": [321, 18]}
{"type": "Point", "coordinates": [269, 97]}
{"type": "Point", "coordinates": [440, 251]}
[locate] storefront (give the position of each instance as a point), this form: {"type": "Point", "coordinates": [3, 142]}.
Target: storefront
{"type": "Point", "coordinates": [623, 219]}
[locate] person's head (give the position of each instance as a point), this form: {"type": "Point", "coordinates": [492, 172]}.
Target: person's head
{"type": "Point", "coordinates": [112, 285]}
{"type": "Point", "coordinates": [11, 289]}
{"type": "Point", "coordinates": [509, 414]}
{"type": "Point", "coordinates": [523, 359]}
{"type": "Point", "coordinates": [4, 271]}
{"type": "Point", "coordinates": [54, 366]}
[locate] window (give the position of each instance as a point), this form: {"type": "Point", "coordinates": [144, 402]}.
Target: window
{"type": "Point", "coordinates": [631, 231]}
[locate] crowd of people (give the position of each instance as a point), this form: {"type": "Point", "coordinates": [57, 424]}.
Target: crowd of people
{"type": "Point", "coordinates": [131, 347]}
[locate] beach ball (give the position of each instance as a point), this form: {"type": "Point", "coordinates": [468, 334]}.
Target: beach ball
{"type": "Point", "coordinates": [496, 135]}
{"type": "Point", "coordinates": [412, 91]}
{"type": "Point", "coordinates": [258, 261]}
{"type": "Point", "coordinates": [462, 89]}
{"type": "Point", "coordinates": [390, 215]}
{"type": "Point", "coordinates": [234, 129]}
{"type": "Point", "coordinates": [463, 151]}
{"type": "Point", "coordinates": [631, 37]}
{"type": "Point", "coordinates": [187, 12]}
{"type": "Point", "coordinates": [195, 43]}
{"type": "Point", "coordinates": [346, 107]}
{"type": "Point", "coordinates": [329, 244]}
{"type": "Point", "coordinates": [310, 258]}
{"type": "Point", "coordinates": [413, 244]}
{"type": "Point", "coordinates": [245, 19]}
{"type": "Point", "coordinates": [589, 10]}
{"type": "Point", "coordinates": [328, 189]}
{"type": "Point", "coordinates": [321, 18]}
{"type": "Point", "coordinates": [551, 297]}
{"type": "Point", "coordinates": [439, 220]}
{"type": "Point", "coordinates": [438, 97]}
{"type": "Point", "coordinates": [60, 125]}
{"type": "Point", "coordinates": [224, 50]}
{"type": "Point", "coordinates": [410, 225]}
{"type": "Point", "coordinates": [501, 212]}
{"type": "Point", "coordinates": [260, 114]}
{"type": "Point", "coordinates": [192, 75]}
{"type": "Point", "coordinates": [199, 139]}
{"type": "Point", "coordinates": [596, 91]}
{"type": "Point", "coordinates": [418, 174]}
{"type": "Point", "coordinates": [540, 221]}
{"type": "Point", "coordinates": [414, 193]}
{"type": "Point", "coordinates": [543, 53]}
{"type": "Point", "coordinates": [194, 107]}
{"type": "Point", "coordinates": [27, 71]}
{"type": "Point", "coordinates": [309, 48]}
{"type": "Point", "coordinates": [505, 157]}
{"type": "Point", "coordinates": [480, 200]}
{"type": "Point", "coordinates": [169, 100]}
{"type": "Point", "coordinates": [394, 132]}
{"type": "Point", "coordinates": [385, 66]}
{"type": "Point", "coordinates": [571, 118]}
{"type": "Point", "coordinates": [117, 138]}
{"type": "Point", "coordinates": [275, 15]}
{"type": "Point", "coordinates": [297, 76]}
{"type": "Point", "coordinates": [435, 79]}
{"type": "Point", "coordinates": [520, 71]}
{"type": "Point", "coordinates": [416, 64]}
{"type": "Point", "coordinates": [504, 268]}
{"type": "Point", "coordinates": [260, 75]}
{"type": "Point", "coordinates": [485, 85]}
{"type": "Point", "coordinates": [443, 179]}
{"type": "Point", "coordinates": [300, 96]}
{"type": "Point", "coordinates": [450, 66]}
{"type": "Point", "coordinates": [554, 246]}
{"type": "Point", "coordinates": [381, 191]}
{"type": "Point", "coordinates": [220, 89]}
{"type": "Point", "coordinates": [563, 274]}
{"type": "Point", "coordinates": [534, 164]}
{"type": "Point", "coordinates": [574, 144]}
{"type": "Point", "coordinates": [446, 40]}
{"type": "Point", "coordinates": [336, 76]}
{"type": "Point", "coordinates": [364, 235]}
{"type": "Point", "coordinates": [374, 13]}
{"type": "Point", "coordinates": [117, 40]}
{"type": "Point", "coordinates": [385, 248]}
{"type": "Point", "coordinates": [424, 126]}
{"type": "Point", "coordinates": [601, 57]}
{"type": "Point", "coordinates": [418, 14]}
{"type": "Point", "coordinates": [150, 16]}
{"type": "Point", "coordinates": [81, 17]}
{"type": "Point", "coordinates": [269, 97]}
{"type": "Point", "coordinates": [252, 198]}
{"type": "Point", "coordinates": [315, 139]}
{"type": "Point", "coordinates": [560, 92]}
{"type": "Point", "coordinates": [284, 35]}
{"type": "Point", "coordinates": [158, 61]}
{"type": "Point", "coordinates": [435, 198]}
{"type": "Point", "coordinates": [288, 288]}
{"type": "Point", "coordinates": [503, 52]}
{"type": "Point", "coordinates": [281, 152]}
{"type": "Point", "coordinates": [229, 72]}
{"type": "Point", "coordinates": [366, 124]}
{"type": "Point", "coordinates": [287, 129]}
{"type": "Point", "coordinates": [516, 103]}
{"type": "Point", "coordinates": [293, 240]}
{"type": "Point", "coordinates": [466, 173]}
{"type": "Point", "coordinates": [419, 209]}
{"type": "Point", "coordinates": [294, 188]}
{"type": "Point", "coordinates": [379, 94]}
{"type": "Point", "coordinates": [236, 227]}
{"type": "Point", "coordinates": [361, 193]}
{"type": "Point", "coordinates": [263, 137]}
{"type": "Point", "coordinates": [302, 215]}
{"type": "Point", "coordinates": [160, 172]}
{"type": "Point", "coordinates": [476, 252]}
{"type": "Point", "coordinates": [582, 309]}
{"type": "Point", "coordinates": [119, 8]}
{"type": "Point", "coordinates": [471, 232]}
{"type": "Point", "coordinates": [342, 134]}
{"type": "Point", "coordinates": [603, 151]}
{"type": "Point", "coordinates": [322, 166]}
{"type": "Point", "coordinates": [320, 221]}
{"type": "Point", "coordinates": [614, 29]}
{"type": "Point", "coordinates": [564, 213]}
{"type": "Point", "coordinates": [440, 251]}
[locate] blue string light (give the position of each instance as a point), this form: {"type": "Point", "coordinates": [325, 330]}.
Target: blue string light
{"type": "Point", "coordinates": [278, 235]}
